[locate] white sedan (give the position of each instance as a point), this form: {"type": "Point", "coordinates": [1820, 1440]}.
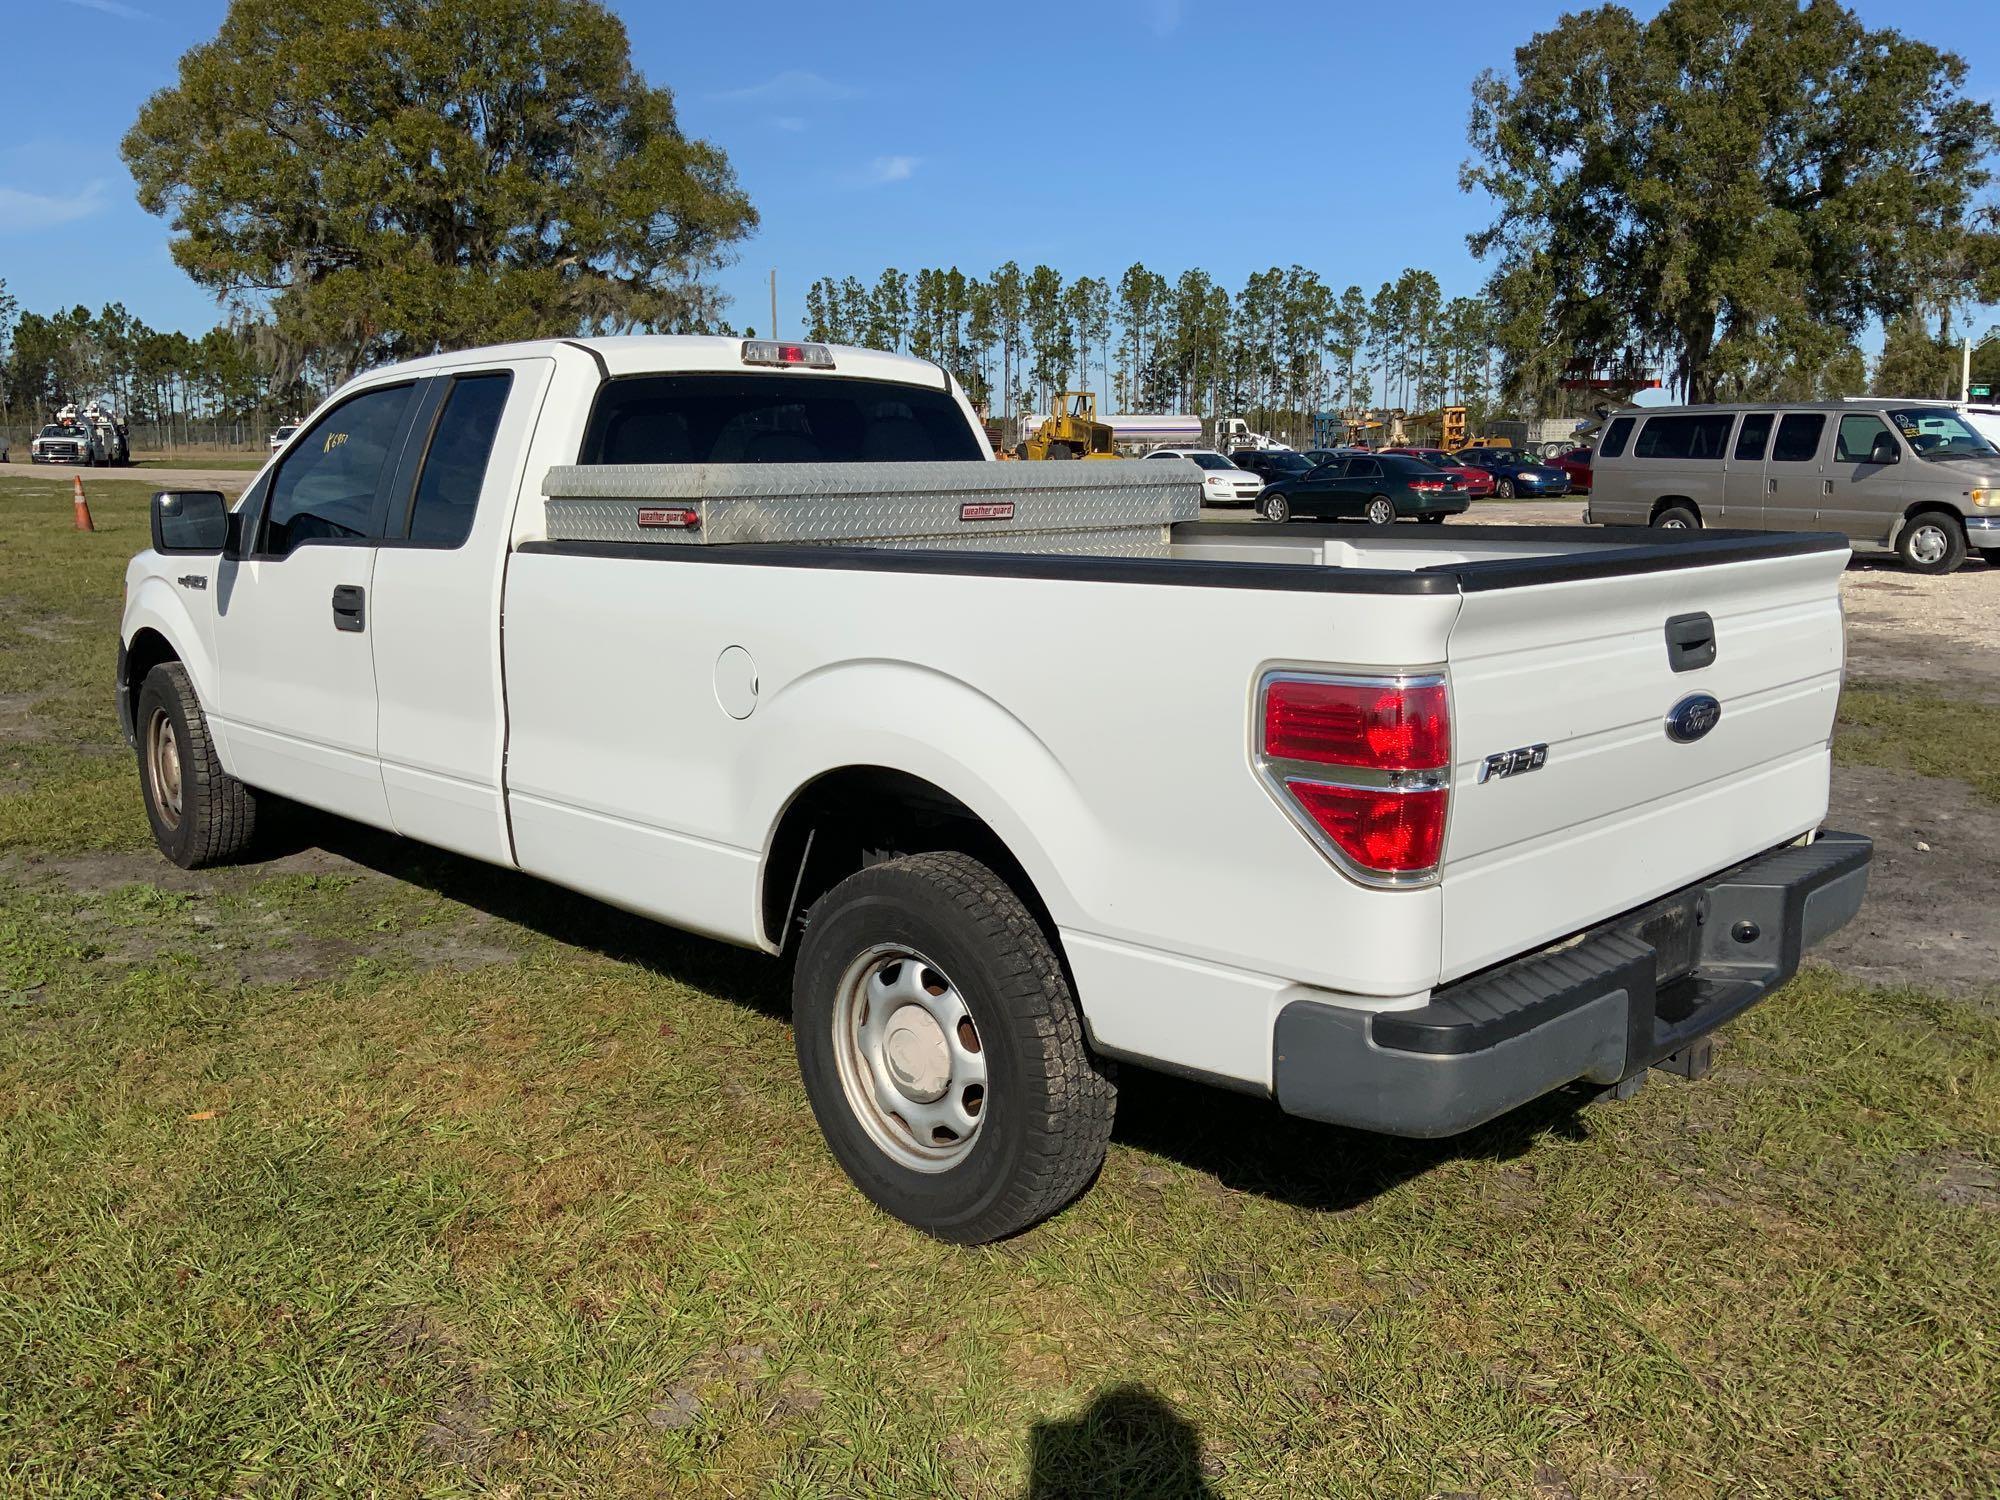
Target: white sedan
{"type": "Point", "coordinates": [1222, 483]}
{"type": "Point", "coordinates": [281, 436]}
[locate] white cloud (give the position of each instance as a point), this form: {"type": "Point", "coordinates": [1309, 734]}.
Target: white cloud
{"type": "Point", "coordinates": [792, 86]}
{"type": "Point", "coordinates": [892, 169]}
{"type": "Point", "coordinates": [113, 8]}
{"type": "Point", "coordinates": [25, 212]}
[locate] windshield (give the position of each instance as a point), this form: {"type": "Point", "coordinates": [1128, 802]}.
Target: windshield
{"type": "Point", "coordinates": [1211, 461]}
{"type": "Point", "coordinates": [1936, 432]}
{"type": "Point", "coordinates": [56, 429]}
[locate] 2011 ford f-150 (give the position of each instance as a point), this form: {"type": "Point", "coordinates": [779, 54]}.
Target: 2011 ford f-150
{"type": "Point", "coordinates": [1023, 766]}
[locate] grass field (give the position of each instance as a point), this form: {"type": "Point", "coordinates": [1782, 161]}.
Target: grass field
{"type": "Point", "coordinates": [367, 1170]}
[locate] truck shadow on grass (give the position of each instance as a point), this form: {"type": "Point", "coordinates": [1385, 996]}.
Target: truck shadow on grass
{"type": "Point", "coordinates": [1244, 1143]}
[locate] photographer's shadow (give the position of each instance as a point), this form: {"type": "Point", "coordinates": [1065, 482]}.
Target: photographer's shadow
{"type": "Point", "coordinates": [1127, 1442]}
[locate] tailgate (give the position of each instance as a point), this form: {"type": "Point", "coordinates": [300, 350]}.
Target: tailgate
{"type": "Point", "coordinates": [1620, 811]}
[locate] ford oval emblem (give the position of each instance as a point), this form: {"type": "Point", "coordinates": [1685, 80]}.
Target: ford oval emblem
{"type": "Point", "coordinates": [1693, 717]}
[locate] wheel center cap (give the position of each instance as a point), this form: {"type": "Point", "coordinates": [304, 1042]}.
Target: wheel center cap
{"type": "Point", "coordinates": [914, 1048]}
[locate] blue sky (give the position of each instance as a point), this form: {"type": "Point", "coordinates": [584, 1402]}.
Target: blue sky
{"type": "Point", "coordinates": [1177, 132]}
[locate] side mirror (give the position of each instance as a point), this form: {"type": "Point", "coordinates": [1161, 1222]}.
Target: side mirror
{"type": "Point", "coordinates": [190, 521]}
{"type": "Point", "coordinates": [1884, 451]}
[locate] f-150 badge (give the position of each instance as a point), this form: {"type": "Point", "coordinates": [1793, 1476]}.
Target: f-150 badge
{"type": "Point", "coordinates": [1514, 762]}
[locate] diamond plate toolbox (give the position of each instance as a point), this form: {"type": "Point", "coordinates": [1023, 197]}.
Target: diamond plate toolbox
{"type": "Point", "coordinates": [1087, 505]}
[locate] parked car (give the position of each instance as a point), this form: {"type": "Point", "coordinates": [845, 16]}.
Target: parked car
{"type": "Point", "coordinates": [1375, 487]}
{"type": "Point", "coordinates": [63, 443]}
{"type": "Point", "coordinates": [1478, 483]}
{"type": "Point", "coordinates": [1885, 473]}
{"type": "Point", "coordinates": [1514, 473]}
{"type": "Point", "coordinates": [1271, 464]}
{"type": "Point", "coordinates": [1575, 462]}
{"type": "Point", "coordinates": [880, 714]}
{"type": "Point", "coordinates": [281, 435]}
{"type": "Point", "coordinates": [1318, 456]}
{"type": "Point", "coordinates": [1222, 482]}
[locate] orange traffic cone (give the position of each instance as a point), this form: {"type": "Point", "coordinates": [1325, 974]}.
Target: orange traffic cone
{"type": "Point", "coordinates": [83, 521]}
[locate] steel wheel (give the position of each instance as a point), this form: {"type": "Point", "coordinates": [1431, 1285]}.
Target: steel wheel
{"type": "Point", "coordinates": [910, 1059]}
{"type": "Point", "coordinates": [1928, 543]}
{"type": "Point", "coordinates": [1380, 511]}
{"type": "Point", "coordinates": [163, 766]}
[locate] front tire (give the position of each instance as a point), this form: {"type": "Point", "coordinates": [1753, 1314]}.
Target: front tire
{"type": "Point", "coordinates": [1275, 508]}
{"type": "Point", "coordinates": [1380, 512]}
{"type": "Point", "coordinates": [1504, 490]}
{"type": "Point", "coordinates": [201, 815]}
{"type": "Point", "coordinates": [1931, 541]}
{"type": "Point", "coordinates": [943, 1052]}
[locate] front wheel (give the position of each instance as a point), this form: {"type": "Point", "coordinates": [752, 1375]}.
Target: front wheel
{"type": "Point", "coordinates": [1275, 508]}
{"type": "Point", "coordinates": [1504, 490]}
{"type": "Point", "coordinates": [1380, 512]}
{"type": "Point", "coordinates": [1931, 542]}
{"type": "Point", "coordinates": [201, 815]}
{"type": "Point", "coordinates": [943, 1052]}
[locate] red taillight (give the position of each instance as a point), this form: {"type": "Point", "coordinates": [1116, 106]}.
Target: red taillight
{"type": "Point", "coordinates": [1364, 762]}
{"type": "Point", "coordinates": [1387, 726]}
{"type": "Point", "coordinates": [1426, 486]}
{"type": "Point", "coordinates": [1390, 831]}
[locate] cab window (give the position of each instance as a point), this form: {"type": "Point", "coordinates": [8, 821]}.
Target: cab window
{"type": "Point", "coordinates": [455, 464]}
{"type": "Point", "coordinates": [1855, 442]}
{"type": "Point", "coordinates": [327, 484]}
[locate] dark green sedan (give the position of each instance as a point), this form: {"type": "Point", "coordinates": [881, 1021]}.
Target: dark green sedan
{"type": "Point", "coordinates": [1373, 487]}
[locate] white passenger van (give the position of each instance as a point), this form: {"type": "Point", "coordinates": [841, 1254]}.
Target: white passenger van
{"type": "Point", "coordinates": [1908, 475]}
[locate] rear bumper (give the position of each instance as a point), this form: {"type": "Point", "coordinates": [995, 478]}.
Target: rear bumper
{"type": "Point", "coordinates": [1596, 1010]}
{"type": "Point", "coordinates": [1441, 505]}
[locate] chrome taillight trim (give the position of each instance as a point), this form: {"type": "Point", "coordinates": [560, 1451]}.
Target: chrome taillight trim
{"type": "Point", "coordinates": [1274, 772]}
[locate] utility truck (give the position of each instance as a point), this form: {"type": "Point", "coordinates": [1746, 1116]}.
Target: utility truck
{"type": "Point", "coordinates": [1023, 770]}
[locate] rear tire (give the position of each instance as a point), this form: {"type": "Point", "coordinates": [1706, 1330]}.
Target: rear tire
{"type": "Point", "coordinates": [1931, 541]}
{"type": "Point", "coordinates": [1274, 508]}
{"type": "Point", "coordinates": [201, 815]}
{"type": "Point", "coordinates": [1380, 511]}
{"type": "Point", "coordinates": [1437, 520]}
{"type": "Point", "coordinates": [919, 981]}
{"type": "Point", "coordinates": [1676, 518]}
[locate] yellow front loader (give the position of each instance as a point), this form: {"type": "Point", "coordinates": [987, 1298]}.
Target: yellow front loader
{"type": "Point", "coordinates": [1073, 432]}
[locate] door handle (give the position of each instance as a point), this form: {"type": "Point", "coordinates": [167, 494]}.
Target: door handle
{"type": "Point", "coordinates": [349, 607]}
{"type": "Point", "coordinates": [1770, 486]}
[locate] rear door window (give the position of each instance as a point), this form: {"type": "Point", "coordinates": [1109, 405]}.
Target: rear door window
{"type": "Point", "coordinates": [1753, 437]}
{"type": "Point", "coordinates": [329, 481]}
{"type": "Point", "coordinates": [762, 419]}
{"type": "Point", "coordinates": [454, 469]}
{"type": "Point", "coordinates": [1798, 437]}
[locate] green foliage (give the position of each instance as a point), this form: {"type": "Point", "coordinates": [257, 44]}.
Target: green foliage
{"type": "Point", "coordinates": [1736, 186]}
{"type": "Point", "coordinates": [408, 177]}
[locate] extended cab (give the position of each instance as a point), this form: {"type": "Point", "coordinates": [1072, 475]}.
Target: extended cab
{"type": "Point", "coordinates": [1022, 767]}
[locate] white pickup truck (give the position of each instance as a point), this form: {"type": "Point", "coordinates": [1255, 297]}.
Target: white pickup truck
{"type": "Point", "coordinates": [1023, 767]}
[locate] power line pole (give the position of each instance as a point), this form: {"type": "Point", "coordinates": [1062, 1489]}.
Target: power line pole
{"type": "Point", "coordinates": [774, 302]}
